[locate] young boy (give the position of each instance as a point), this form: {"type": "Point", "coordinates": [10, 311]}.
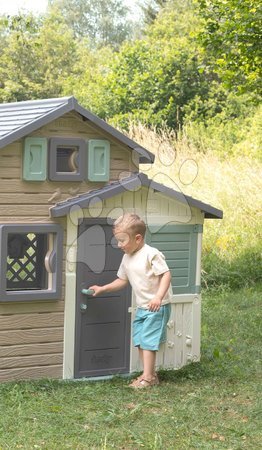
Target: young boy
{"type": "Point", "coordinates": [144, 267]}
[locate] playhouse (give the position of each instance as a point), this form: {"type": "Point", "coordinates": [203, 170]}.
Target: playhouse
{"type": "Point", "coordinates": [65, 175]}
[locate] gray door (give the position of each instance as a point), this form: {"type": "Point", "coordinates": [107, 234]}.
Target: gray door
{"type": "Point", "coordinates": [102, 345]}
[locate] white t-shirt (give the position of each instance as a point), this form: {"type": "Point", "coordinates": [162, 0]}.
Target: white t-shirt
{"type": "Point", "coordinates": [142, 270]}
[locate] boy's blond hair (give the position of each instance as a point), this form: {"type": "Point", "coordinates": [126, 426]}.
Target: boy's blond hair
{"type": "Point", "coordinates": [130, 223]}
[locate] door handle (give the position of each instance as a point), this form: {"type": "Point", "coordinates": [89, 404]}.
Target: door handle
{"type": "Point", "coordinates": [87, 291]}
{"type": "Point", "coordinates": [83, 307]}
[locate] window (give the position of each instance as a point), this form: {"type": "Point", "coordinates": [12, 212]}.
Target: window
{"type": "Point", "coordinates": [67, 159]}
{"type": "Point", "coordinates": [31, 262]}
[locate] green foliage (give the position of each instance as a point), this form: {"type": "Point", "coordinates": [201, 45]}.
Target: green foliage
{"type": "Point", "coordinates": [228, 127]}
{"type": "Point", "coordinates": [165, 78]}
{"type": "Point", "coordinates": [232, 37]}
{"type": "Point", "coordinates": [87, 76]}
{"type": "Point", "coordinates": [18, 58]}
{"type": "Point", "coordinates": [153, 78]}
{"type": "Point", "coordinates": [36, 59]}
{"type": "Point", "coordinates": [58, 54]}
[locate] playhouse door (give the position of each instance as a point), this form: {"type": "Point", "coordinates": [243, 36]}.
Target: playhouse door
{"type": "Point", "coordinates": [102, 345]}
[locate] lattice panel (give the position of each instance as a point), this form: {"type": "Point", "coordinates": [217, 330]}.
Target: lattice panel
{"type": "Point", "coordinates": [25, 268]}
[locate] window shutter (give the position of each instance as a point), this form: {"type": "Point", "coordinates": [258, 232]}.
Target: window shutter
{"type": "Point", "coordinates": [179, 245]}
{"type": "Point", "coordinates": [98, 160]}
{"type": "Point", "coordinates": [35, 159]}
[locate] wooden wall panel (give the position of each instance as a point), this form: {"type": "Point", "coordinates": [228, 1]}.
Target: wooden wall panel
{"type": "Point", "coordinates": [31, 343]}
{"type": "Point", "coordinates": [15, 337]}
{"type": "Point", "coordinates": [31, 373]}
{"type": "Point", "coordinates": [24, 321]}
{"type": "Point", "coordinates": [28, 198]}
{"type": "Point", "coordinates": [10, 161]}
{"type": "Point", "coordinates": [31, 361]}
{"type": "Point", "coordinates": [30, 307]}
{"type": "Point", "coordinates": [31, 349]}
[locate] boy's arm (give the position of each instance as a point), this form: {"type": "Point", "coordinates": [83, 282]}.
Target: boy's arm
{"type": "Point", "coordinates": [165, 280]}
{"type": "Point", "coordinates": [116, 285]}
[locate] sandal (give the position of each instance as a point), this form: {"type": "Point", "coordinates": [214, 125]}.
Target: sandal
{"type": "Point", "coordinates": [141, 382]}
{"type": "Point", "coordinates": [133, 383]}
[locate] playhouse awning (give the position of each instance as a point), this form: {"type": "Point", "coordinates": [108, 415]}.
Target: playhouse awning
{"type": "Point", "coordinates": [132, 183]}
{"type": "Point", "coordinates": [22, 118]}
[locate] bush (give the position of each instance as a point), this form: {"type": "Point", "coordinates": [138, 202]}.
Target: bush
{"type": "Point", "coordinates": [236, 130]}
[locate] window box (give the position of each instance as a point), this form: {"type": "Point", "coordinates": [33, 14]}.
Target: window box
{"type": "Point", "coordinates": [31, 262]}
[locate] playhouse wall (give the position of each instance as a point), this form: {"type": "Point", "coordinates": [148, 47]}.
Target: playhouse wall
{"type": "Point", "coordinates": [31, 340]}
{"type": "Point", "coordinates": [25, 201]}
{"type": "Point", "coordinates": [32, 333]}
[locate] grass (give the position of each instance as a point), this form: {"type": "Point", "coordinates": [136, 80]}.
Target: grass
{"type": "Point", "coordinates": [213, 404]}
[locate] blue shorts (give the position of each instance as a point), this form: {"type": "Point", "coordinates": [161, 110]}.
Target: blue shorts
{"type": "Point", "coordinates": [149, 328]}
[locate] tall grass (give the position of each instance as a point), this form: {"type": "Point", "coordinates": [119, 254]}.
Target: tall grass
{"type": "Point", "coordinates": [232, 246]}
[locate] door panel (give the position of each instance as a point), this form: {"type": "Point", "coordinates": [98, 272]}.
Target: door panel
{"type": "Point", "coordinates": [103, 327]}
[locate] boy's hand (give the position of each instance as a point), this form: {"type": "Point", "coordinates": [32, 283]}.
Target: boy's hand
{"type": "Point", "coordinates": [97, 290]}
{"type": "Point", "coordinates": [116, 285]}
{"type": "Point", "coordinates": [154, 305]}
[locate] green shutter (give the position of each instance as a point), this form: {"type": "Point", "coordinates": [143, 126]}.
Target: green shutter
{"type": "Point", "coordinates": [35, 159]}
{"type": "Point", "coordinates": [98, 160]}
{"type": "Point", "coordinates": [179, 245]}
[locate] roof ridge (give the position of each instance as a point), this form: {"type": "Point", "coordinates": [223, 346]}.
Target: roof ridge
{"type": "Point", "coordinates": [131, 183]}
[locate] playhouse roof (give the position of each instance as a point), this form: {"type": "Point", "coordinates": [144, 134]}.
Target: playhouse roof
{"type": "Point", "coordinates": [132, 183]}
{"type": "Point", "coordinates": [21, 118]}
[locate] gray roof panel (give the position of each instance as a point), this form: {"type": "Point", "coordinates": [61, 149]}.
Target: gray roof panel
{"type": "Point", "coordinates": [131, 183]}
{"type": "Point", "coordinates": [21, 118]}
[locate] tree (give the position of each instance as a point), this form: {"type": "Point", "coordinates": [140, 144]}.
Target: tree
{"type": "Point", "coordinates": [152, 79]}
{"type": "Point", "coordinates": [232, 37]}
{"type": "Point", "coordinates": [151, 9]}
{"type": "Point", "coordinates": [87, 76]}
{"type": "Point", "coordinates": [103, 22]}
{"type": "Point", "coordinates": [18, 73]}
{"type": "Point", "coordinates": [58, 54]}
{"type": "Point", "coordinates": [38, 56]}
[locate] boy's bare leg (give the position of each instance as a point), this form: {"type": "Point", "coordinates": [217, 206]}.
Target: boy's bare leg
{"type": "Point", "coordinates": [140, 352]}
{"type": "Point", "coordinates": [149, 376]}
{"type": "Point", "coordinates": [149, 362]}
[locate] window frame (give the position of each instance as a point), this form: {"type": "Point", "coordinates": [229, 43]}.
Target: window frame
{"type": "Point", "coordinates": [53, 173]}
{"type": "Point", "coordinates": [53, 265]}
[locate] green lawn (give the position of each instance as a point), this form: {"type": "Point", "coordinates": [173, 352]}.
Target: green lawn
{"type": "Point", "coordinates": [213, 404]}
